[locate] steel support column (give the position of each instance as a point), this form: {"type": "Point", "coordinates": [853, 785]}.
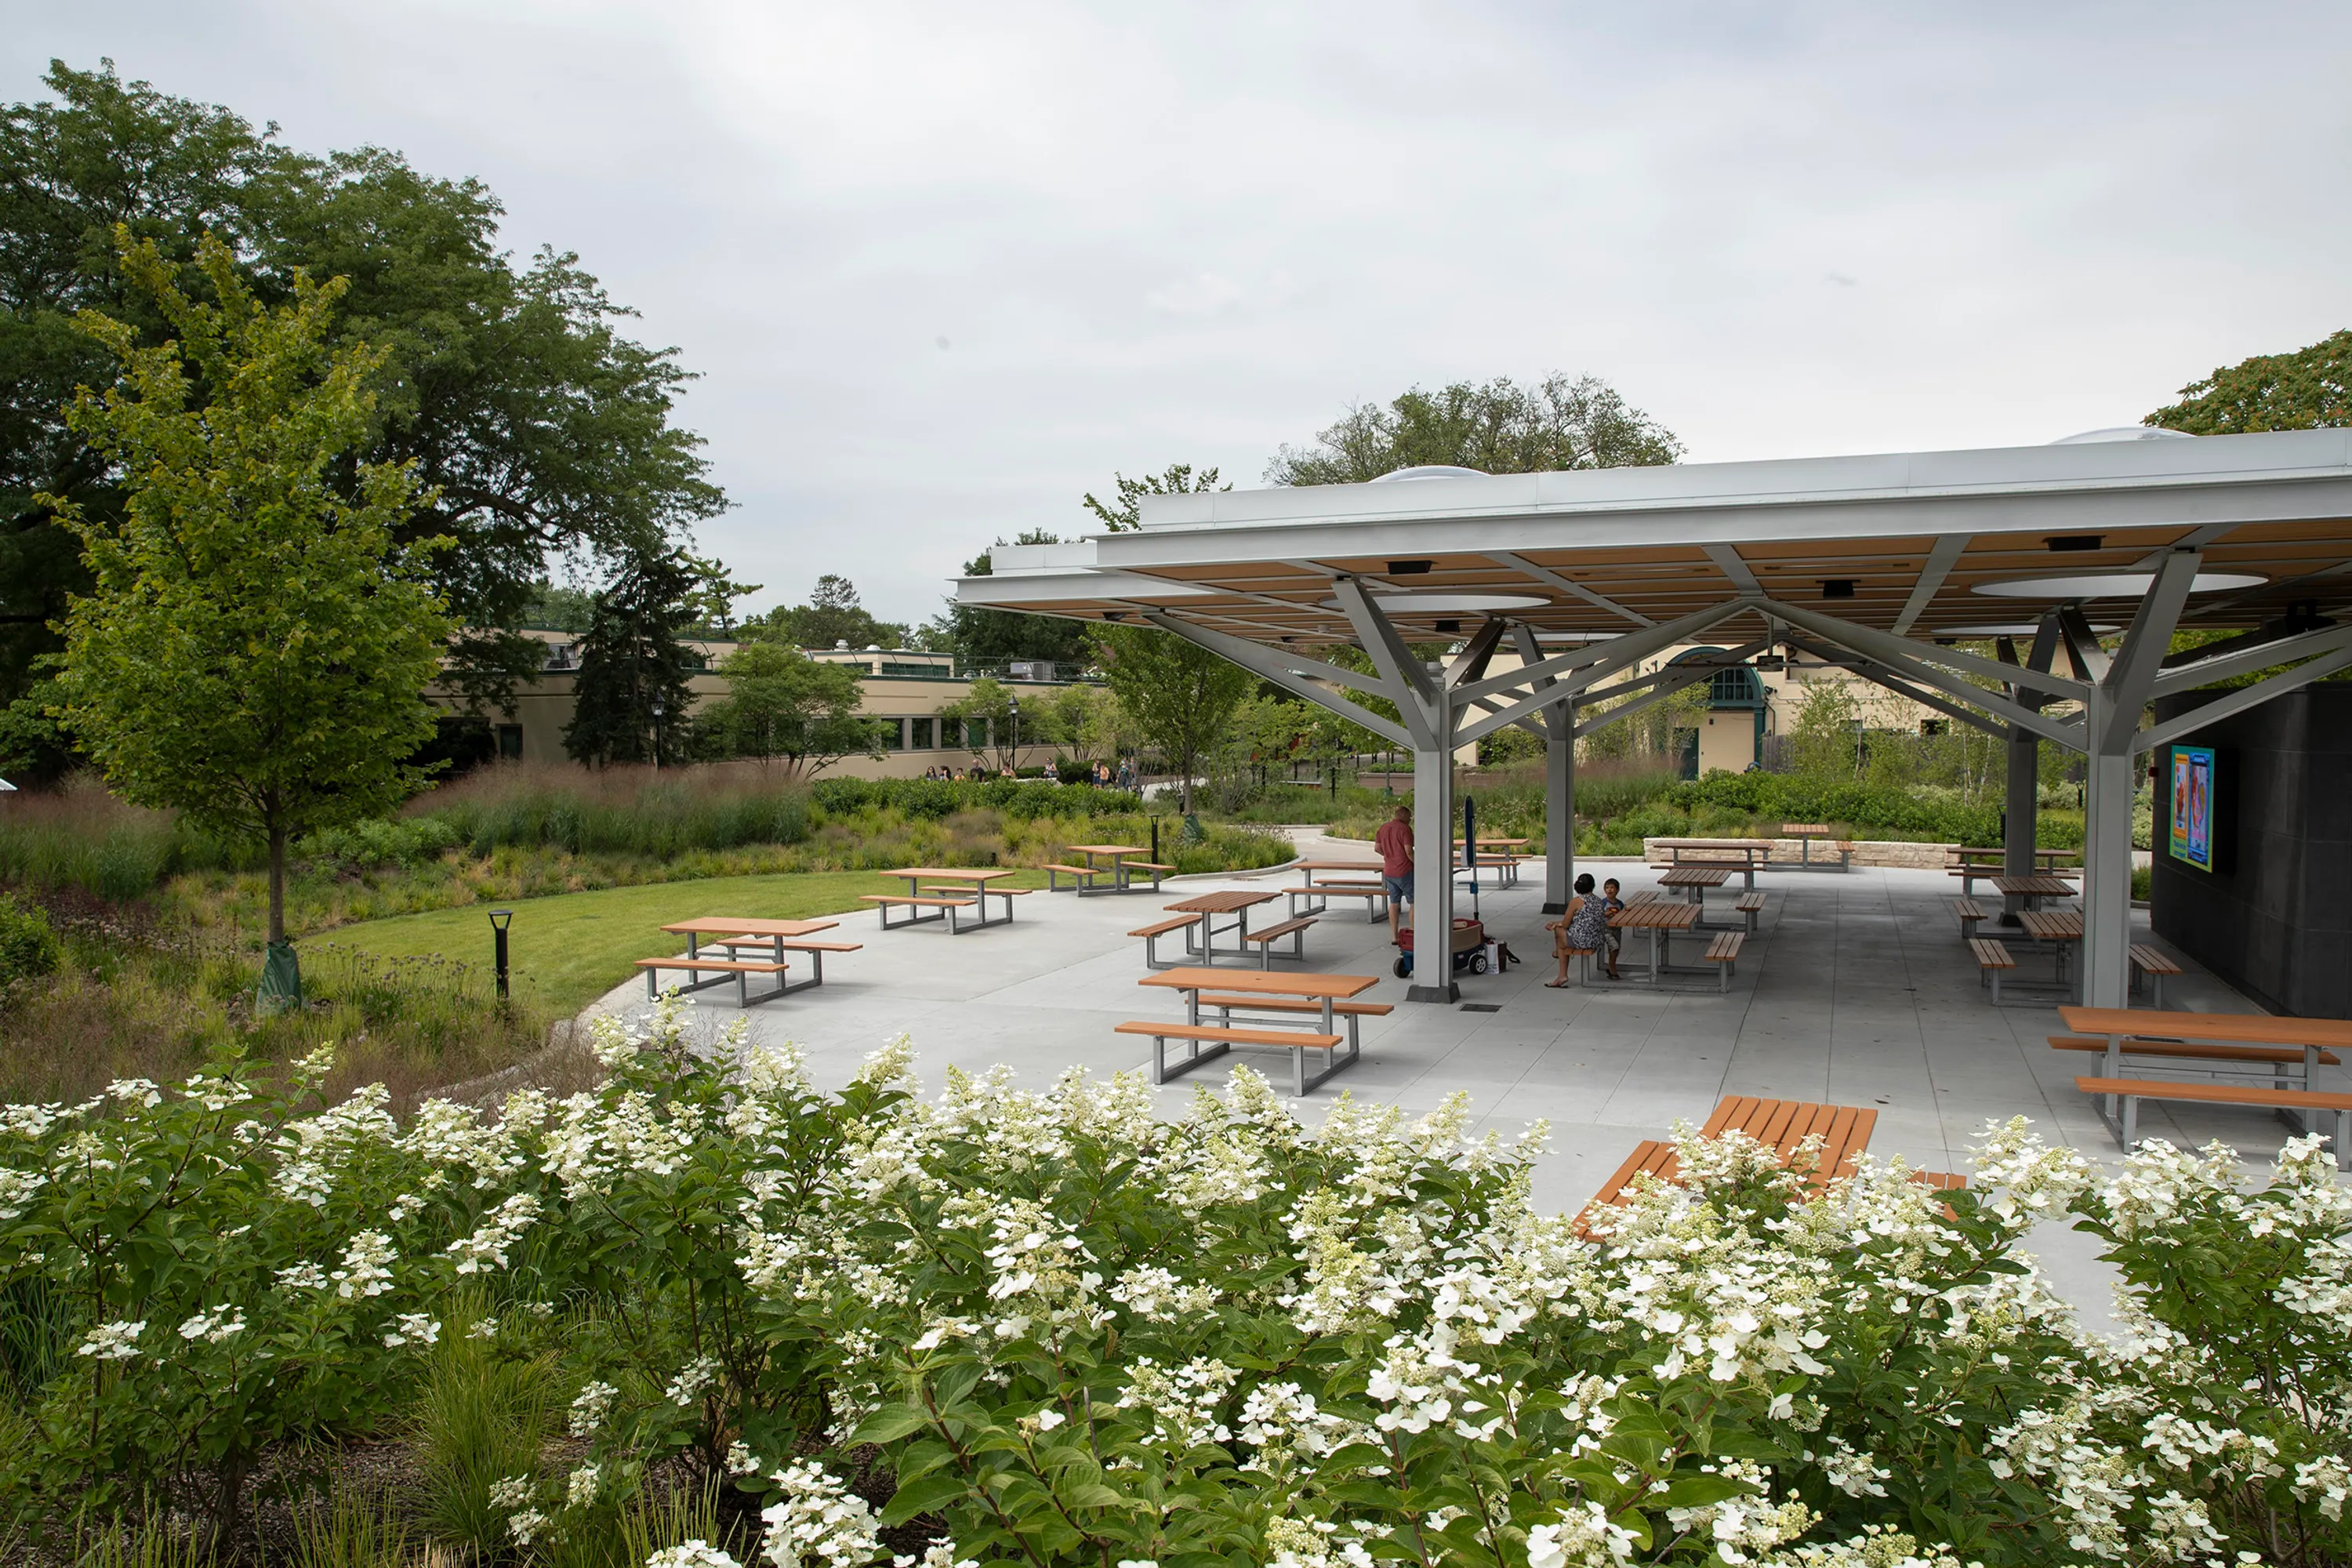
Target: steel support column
{"type": "Point", "coordinates": [1559, 807]}
{"type": "Point", "coordinates": [1432, 863]}
{"type": "Point", "coordinates": [2109, 776]}
{"type": "Point", "coordinates": [2021, 807]}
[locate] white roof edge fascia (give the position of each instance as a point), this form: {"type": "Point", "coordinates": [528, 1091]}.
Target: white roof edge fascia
{"type": "Point", "coordinates": [2225, 460]}
{"type": "Point", "coordinates": [1045, 587]}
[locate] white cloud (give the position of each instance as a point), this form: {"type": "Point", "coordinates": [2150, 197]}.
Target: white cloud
{"type": "Point", "coordinates": [1154, 235]}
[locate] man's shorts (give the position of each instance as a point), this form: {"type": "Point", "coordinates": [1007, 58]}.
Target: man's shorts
{"type": "Point", "coordinates": [1398, 888]}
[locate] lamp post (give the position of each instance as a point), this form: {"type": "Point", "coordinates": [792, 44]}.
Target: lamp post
{"type": "Point", "coordinates": [499, 920]}
{"type": "Point", "coordinates": [658, 719]}
{"type": "Point", "coordinates": [1014, 703]}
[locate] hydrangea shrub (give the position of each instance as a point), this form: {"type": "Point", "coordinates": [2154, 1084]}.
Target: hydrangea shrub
{"type": "Point", "coordinates": [1075, 1333]}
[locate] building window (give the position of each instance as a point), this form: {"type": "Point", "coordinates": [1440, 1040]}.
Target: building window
{"type": "Point", "coordinates": [1931, 726]}
{"type": "Point", "coordinates": [922, 739]}
{"type": "Point", "coordinates": [510, 742]}
{"type": "Point", "coordinates": [975, 734]}
{"type": "Point", "coordinates": [894, 734]}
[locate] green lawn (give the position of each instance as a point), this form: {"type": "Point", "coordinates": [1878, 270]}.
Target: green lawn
{"type": "Point", "coordinates": [570, 949]}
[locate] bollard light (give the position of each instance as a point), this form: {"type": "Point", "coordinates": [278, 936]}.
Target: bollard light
{"type": "Point", "coordinates": [499, 920]}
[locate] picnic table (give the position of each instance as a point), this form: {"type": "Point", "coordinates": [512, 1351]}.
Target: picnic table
{"type": "Point", "coordinates": [734, 933]}
{"type": "Point", "coordinates": [1120, 870]}
{"type": "Point", "coordinates": [1752, 852]}
{"type": "Point", "coordinates": [1360, 868]}
{"type": "Point", "coordinates": [946, 891]}
{"type": "Point", "coordinates": [1804, 832]}
{"type": "Point", "coordinates": [2059, 928]}
{"type": "Point", "coordinates": [2033, 890]}
{"type": "Point", "coordinates": [1693, 881]}
{"type": "Point", "coordinates": [1235, 901]}
{"type": "Point", "coordinates": [1973, 865]}
{"type": "Point", "coordinates": [1506, 865]}
{"type": "Point", "coordinates": [2221, 1040]}
{"type": "Point", "coordinates": [1659, 917]}
{"type": "Point", "coordinates": [1324, 993]}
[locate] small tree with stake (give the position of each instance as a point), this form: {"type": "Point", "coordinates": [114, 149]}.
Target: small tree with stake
{"type": "Point", "coordinates": [254, 647]}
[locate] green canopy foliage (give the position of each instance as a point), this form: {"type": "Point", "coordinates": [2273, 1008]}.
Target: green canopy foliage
{"type": "Point", "coordinates": [257, 634]}
{"type": "Point", "coordinates": [534, 426]}
{"type": "Point", "coordinates": [784, 706]}
{"type": "Point", "coordinates": [1500, 427]}
{"type": "Point", "coordinates": [2308, 389]}
{"type": "Point", "coordinates": [631, 694]}
{"type": "Point", "coordinates": [832, 616]}
{"type": "Point", "coordinates": [1181, 698]}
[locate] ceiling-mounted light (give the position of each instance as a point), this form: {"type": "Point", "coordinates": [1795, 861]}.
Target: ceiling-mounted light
{"type": "Point", "coordinates": [2109, 586]}
{"type": "Point", "coordinates": [1837, 587]}
{"type": "Point", "coordinates": [2065, 542]}
{"type": "Point", "coordinates": [1408, 568]}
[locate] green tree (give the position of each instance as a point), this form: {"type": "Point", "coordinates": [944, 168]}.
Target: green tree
{"type": "Point", "coordinates": [1125, 514]}
{"type": "Point", "coordinates": [1180, 697]}
{"type": "Point", "coordinates": [1501, 427]}
{"type": "Point", "coordinates": [2308, 389]}
{"type": "Point", "coordinates": [782, 705]}
{"type": "Point", "coordinates": [537, 428]}
{"type": "Point", "coordinates": [256, 640]}
{"type": "Point", "coordinates": [986, 710]}
{"type": "Point", "coordinates": [631, 695]}
{"type": "Point", "coordinates": [832, 616]}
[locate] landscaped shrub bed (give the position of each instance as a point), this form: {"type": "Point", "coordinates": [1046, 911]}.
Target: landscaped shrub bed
{"type": "Point", "coordinates": [1051, 1329]}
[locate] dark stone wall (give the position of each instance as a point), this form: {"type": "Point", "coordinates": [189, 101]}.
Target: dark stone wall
{"type": "Point", "coordinates": [2275, 918]}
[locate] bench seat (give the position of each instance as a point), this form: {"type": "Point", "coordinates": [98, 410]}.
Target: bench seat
{"type": "Point", "coordinates": [949, 909]}
{"type": "Point", "coordinates": [1991, 957]}
{"type": "Point", "coordinates": [2155, 964]}
{"type": "Point", "coordinates": [1228, 1003]}
{"type": "Point", "coordinates": [1221, 1040]}
{"type": "Point", "coordinates": [928, 901]}
{"type": "Point", "coordinates": [1968, 912]}
{"type": "Point", "coordinates": [739, 969]}
{"type": "Point", "coordinates": [1294, 929]}
{"type": "Point", "coordinates": [1750, 907]}
{"type": "Point", "coordinates": [1374, 894]}
{"type": "Point", "coordinates": [2130, 1092]}
{"type": "Point", "coordinates": [1154, 931]}
{"type": "Point", "coordinates": [1724, 949]}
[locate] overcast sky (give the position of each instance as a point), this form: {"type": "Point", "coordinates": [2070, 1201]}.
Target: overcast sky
{"type": "Point", "coordinates": [943, 269]}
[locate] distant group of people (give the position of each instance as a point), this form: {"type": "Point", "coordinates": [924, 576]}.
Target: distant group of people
{"type": "Point", "coordinates": [1100, 773]}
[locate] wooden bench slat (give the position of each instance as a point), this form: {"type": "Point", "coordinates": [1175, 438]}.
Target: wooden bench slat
{"type": "Point", "coordinates": [2215, 1093]}
{"type": "Point", "coordinates": [1272, 933]}
{"type": "Point", "coordinates": [1725, 947]}
{"type": "Point", "coordinates": [1969, 909]}
{"type": "Point", "coordinates": [717, 965]}
{"type": "Point", "coordinates": [1991, 954]}
{"type": "Point", "coordinates": [928, 903]}
{"type": "Point", "coordinates": [1297, 1004]}
{"type": "Point", "coordinates": [1212, 1033]}
{"type": "Point", "coordinates": [792, 946]}
{"type": "Point", "coordinates": [1146, 866]}
{"type": "Point", "coordinates": [1164, 927]}
{"type": "Point", "coordinates": [2190, 1050]}
{"type": "Point", "coordinates": [2149, 959]}
{"type": "Point", "coordinates": [1748, 903]}
{"type": "Point", "coordinates": [1078, 871]}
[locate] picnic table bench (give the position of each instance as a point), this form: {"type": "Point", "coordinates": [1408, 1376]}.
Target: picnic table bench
{"type": "Point", "coordinates": [1200, 913]}
{"type": "Point", "coordinates": [1315, 897]}
{"type": "Point", "coordinates": [2155, 964]}
{"type": "Point", "coordinates": [1974, 866]}
{"type": "Point", "coordinates": [1085, 879]}
{"type": "Point", "coordinates": [1206, 1042]}
{"type": "Point", "coordinates": [1804, 832]}
{"type": "Point", "coordinates": [1713, 852]}
{"type": "Point", "coordinates": [1659, 917]}
{"type": "Point", "coordinates": [1356, 870]}
{"type": "Point", "coordinates": [946, 891]}
{"type": "Point", "coordinates": [1785, 1124]}
{"type": "Point", "coordinates": [733, 935]}
{"type": "Point", "coordinates": [2129, 1091]}
{"type": "Point", "coordinates": [2227, 1040]}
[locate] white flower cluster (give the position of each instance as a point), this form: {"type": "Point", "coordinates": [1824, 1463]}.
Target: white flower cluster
{"type": "Point", "coordinates": [486, 1248]}
{"type": "Point", "coordinates": [367, 1266]}
{"type": "Point", "coordinates": [213, 1326]}
{"type": "Point", "coordinates": [591, 1408]}
{"type": "Point", "coordinates": [818, 1522]}
{"type": "Point", "coordinates": [111, 1342]}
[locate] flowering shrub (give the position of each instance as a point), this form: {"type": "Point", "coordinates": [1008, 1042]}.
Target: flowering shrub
{"type": "Point", "coordinates": [1077, 1333]}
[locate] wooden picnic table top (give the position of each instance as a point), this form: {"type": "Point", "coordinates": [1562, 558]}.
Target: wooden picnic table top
{"type": "Point", "coordinates": [1257, 983]}
{"type": "Point", "coordinates": [1666, 914]}
{"type": "Point", "coordinates": [1338, 864]}
{"type": "Point", "coordinates": [1222, 903]}
{"type": "Point", "coordinates": [2040, 886]}
{"type": "Point", "coordinates": [1113, 850]}
{"type": "Point", "coordinates": [2053, 925]}
{"type": "Point", "coordinates": [978, 876]}
{"type": "Point", "coordinates": [2248, 1029]}
{"type": "Point", "coordinates": [1713, 843]}
{"type": "Point", "coordinates": [1696, 877]}
{"type": "Point", "coordinates": [721, 925]}
{"type": "Point", "coordinates": [1805, 829]}
{"type": "Point", "coordinates": [1507, 842]}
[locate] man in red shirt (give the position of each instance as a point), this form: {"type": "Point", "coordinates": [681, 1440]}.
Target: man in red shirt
{"type": "Point", "coordinates": [1394, 841]}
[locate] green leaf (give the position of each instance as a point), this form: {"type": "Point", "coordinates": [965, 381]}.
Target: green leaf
{"type": "Point", "coordinates": [889, 1424]}
{"type": "Point", "coordinates": [923, 1497]}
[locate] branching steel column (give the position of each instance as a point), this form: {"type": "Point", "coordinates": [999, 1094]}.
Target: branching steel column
{"type": "Point", "coordinates": [1560, 784]}
{"type": "Point", "coordinates": [2023, 801]}
{"type": "Point", "coordinates": [1432, 860]}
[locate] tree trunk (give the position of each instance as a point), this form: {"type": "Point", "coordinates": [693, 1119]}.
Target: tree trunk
{"type": "Point", "coordinates": [1185, 763]}
{"type": "Point", "coordinates": [277, 884]}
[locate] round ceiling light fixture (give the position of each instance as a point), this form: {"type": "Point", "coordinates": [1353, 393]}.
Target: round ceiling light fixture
{"type": "Point", "coordinates": [1438, 602]}
{"type": "Point", "coordinates": [2109, 586]}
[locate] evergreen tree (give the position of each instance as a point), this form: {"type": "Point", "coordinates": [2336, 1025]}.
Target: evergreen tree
{"type": "Point", "coordinates": [631, 695]}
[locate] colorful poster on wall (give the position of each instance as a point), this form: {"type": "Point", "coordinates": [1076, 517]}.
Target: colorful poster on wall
{"type": "Point", "coordinates": [2192, 806]}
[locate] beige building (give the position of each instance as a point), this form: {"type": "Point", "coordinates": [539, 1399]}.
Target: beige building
{"type": "Point", "coordinates": [903, 687]}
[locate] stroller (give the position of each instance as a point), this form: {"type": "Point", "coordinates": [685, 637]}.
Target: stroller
{"type": "Point", "coordinates": [1469, 948]}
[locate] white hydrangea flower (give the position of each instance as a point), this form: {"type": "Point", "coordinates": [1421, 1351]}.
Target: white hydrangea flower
{"type": "Point", "coordinates": [486, 1248]}
{"type": "Point", "coordinates": [215, 1325]}
{"type": "Point", "coordinates": [687, 1386]}
{"type": "Point", "coordinates": [138, 1092]}
{"type": "Point", "coordinates": [589, 1410]}
{"type": "Point", "coordinates": [304, 1276]}
{"type": "Point", "coordinates": [818, 1522]}
{"type": "Point", "coordinates": [367, 1266]}
{"type": "Point", "coordinates": [412, 1327]}
{"type": "Point", "coordinates": [111, 1342]}
{"type": "Point", "coordinates": [16, 1190]}
{"type": "Point", "coordinates": [691, 1554]}
{"type": "Point", "coordinates": [483, 1329]}
{"type": "Point", "coordinates": [581, 1486]}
